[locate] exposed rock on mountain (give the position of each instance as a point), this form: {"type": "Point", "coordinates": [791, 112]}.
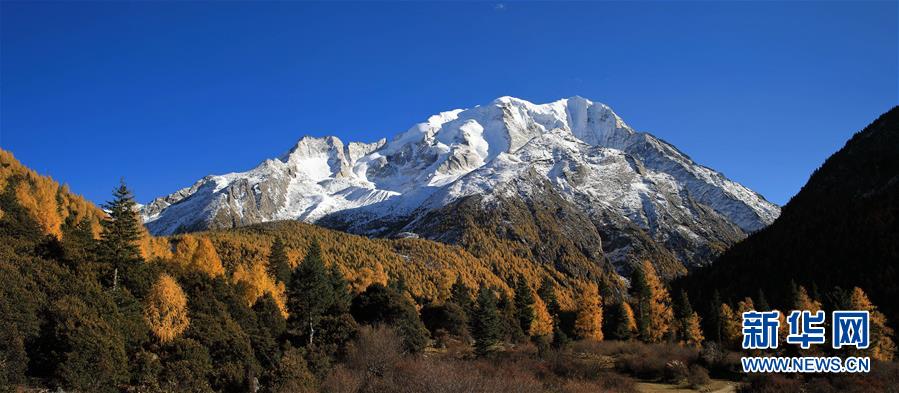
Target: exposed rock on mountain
{"type": "Point", "coordinates": [571, 167]}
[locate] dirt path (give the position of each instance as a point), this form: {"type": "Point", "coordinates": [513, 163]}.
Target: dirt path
{"type": "Point", "coordinates": [716, 386]}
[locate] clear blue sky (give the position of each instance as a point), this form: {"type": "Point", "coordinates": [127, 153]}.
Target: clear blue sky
{"type": "Point", "coordinates": [165, 93]}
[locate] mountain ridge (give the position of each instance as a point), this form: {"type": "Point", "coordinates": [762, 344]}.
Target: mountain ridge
{"type": "Point", "coordinates": [586, 151]}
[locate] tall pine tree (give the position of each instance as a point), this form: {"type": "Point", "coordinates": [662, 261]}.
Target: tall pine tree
{"type": "Point", "coordinates": [487, 327]}
{"type": "Point", "coordinates": [278, 262]}
{"type": "Point", "coordinates": [524, 305]}
{"type": "Point", "coordinates": [310, 294]}
{"type": "Point", "coordinates": [121, 229]}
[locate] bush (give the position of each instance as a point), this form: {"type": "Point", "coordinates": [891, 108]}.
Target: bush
{"type": "Point", "coordinates": [698, 376]}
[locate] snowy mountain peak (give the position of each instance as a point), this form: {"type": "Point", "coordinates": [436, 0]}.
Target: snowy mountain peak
{"type": "Point", "coordinates": [583, 148]}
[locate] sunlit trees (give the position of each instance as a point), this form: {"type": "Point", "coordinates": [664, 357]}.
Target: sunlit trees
{"type": "Point", "coordinates": [166, 309]}
{"type": "Point", "coordinates": [652, 304]}
{"type": "Point", "coordinates": [121, 230]}
{"type": "Point", "coordinates": [731, 332]}
{"type": "Point", "coordinates": [882, 346]}
{"type": "Point", "coordinates": [687, 322]}
{"type": "Point", "coordinates": [206, 259]}
{"type": "Point", "coordinates": [802, 300]}
{"type": "Point", "coordinates": [588, 322]}
{"type": "Point", "coordinates": [542, 324]}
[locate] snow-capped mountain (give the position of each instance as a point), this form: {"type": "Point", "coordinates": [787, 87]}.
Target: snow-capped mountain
{"type": "Point", "coordinates": [511, 148]}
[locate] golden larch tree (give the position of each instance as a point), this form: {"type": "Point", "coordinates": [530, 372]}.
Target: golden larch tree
{"type": "Point", "coordinates": [259, 282]}
{"type": "Point", "coordinates": [588, 322]}
{"type": "Point", "coordinates": [166, 309]}
{"type": "Point", "coordinates": [692, 331]}
{"type": "Point", "coordinates": [206, 259]}
{"type": "Point", "coordinates": [731, 326]}
{"type": "Point", "coordinates": [654, 312]}
{"type": "Point", "coordinates": [542, 325]}
{"type": "Point", "coordinates": [881, 345]}
{"type": "Point", "coordinates": [745, 305]}
{"type": "Point", "coordinates": [802, 301]}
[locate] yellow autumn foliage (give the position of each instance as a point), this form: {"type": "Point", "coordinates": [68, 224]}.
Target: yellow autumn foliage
{"type": "Point", "coordinates": [881, 345]}
{"type": "Point", "coordinates": [731, 326]}
{"type": "Point", "coordinates": [166, 309]}
{"type": "Point", "coordinates": [542, 325]}
{"type": "Point", "coordinates": [588, 322]}
{"type": "Point", "coordinates": [258, 282]}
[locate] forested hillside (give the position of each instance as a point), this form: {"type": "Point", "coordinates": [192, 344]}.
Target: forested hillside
{"type": "Point", "coordinates": [840, 231]}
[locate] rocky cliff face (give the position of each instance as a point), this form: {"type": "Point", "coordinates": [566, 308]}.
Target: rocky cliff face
{"type": "Point", "coordinates": [571, 163]}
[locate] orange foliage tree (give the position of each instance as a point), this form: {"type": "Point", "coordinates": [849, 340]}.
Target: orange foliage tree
{"type": "Point", "coordinates": [166, 309]}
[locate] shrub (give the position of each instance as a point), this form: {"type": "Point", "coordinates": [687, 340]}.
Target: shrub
{"type": "Point", "coordinates": [698, 376]}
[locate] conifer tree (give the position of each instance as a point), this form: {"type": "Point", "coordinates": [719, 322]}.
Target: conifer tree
{"type": "Point", "coordinates": [588, 321]}
{"type": "Point", "coordinates": [731, 331]}
{"type": "Point", "coordinates": [693, 331]}
{"type": "Point", "coordinates": [78, 239]}
{"type": "Point", "coordinates": [542, 325]}
{"type": "Point", "coordinates": [682, 311]}
{"type": "Point", "coordinates": [206, 259]}
{"type": "Point", "coordinates": [486, 322]}
{"type": "Point", "coordinates": [121, 229]}
{"type": "Point", "coordinates": [511, 328]}
{"type": "Point", "coordinates": [802, 300]}
{"type": "Point", "coordinates": [881, 344]}
{"type": "Point", "coordinates": [745, 305]}
{"type": "Point", "coordinates": [653, 304]}
{"type": "Point", "coordinates": [524, 305]}
{"type": "Point", "coordinates": [309, 294]}
{"type": "Point", "coordinates": [624, 326]}
{"type": "Point", "coordinates": [547, 292]}
{"type": "Point", "coordinates": [278, 262]}
{"type": "Point", "coordinates": [166, 309]}
{"type": "Point", "coordinates": [688, 327]}
{"type": "Point", "coordinates": [714, 322]}
{"type": "Point", "coordinates": [461, 295]}
{"type": "Point", "coordinates": [762, 303]}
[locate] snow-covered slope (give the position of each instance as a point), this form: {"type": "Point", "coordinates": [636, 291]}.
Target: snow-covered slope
{"type": "Point", "coordinates": [589, 155]}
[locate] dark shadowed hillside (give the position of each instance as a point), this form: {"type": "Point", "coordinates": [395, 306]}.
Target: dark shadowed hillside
{"type": "Point", "coordinates": [841, 229]}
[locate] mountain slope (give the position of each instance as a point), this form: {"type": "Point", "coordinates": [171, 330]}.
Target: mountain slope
{"type": "Point", "coordinates": [841, 229]}
{"type": "Point", "coordinates": [641, 191]}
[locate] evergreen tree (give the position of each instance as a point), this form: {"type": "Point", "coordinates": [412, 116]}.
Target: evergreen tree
{"type": "Point", "coordinates": [310, 294]}
{"type": "Point", "coordinates": [547, 292]}
{"type": "Point", "coordinates": [524, 305]}
{"type": "Point", "coordinates": [762, 304]}
{"type": "Point", "coordinates": [682, 311]}
{"type": "Point", "coordinates": [511, 326]}
{"type": "Point", "coordinates": [731, 332]}
{"type": "Point", "coordinates": [653, 304]}
{"type": "Point", "coordinates": [380, 304]}
{"type": "Point", "coordinates": [278, 262]}
{"type": "Point", "coordinates": [78, 240]}
{"type": "Point", "coordinates": [714, 322]}
{"type": "Point", "coordinates": [687, 321]}
{"type": "Point", "coordinates": [486, 322]}
{"type": "Point", "coordinates": [120, 233]}
{"type": "Point", "coordinates": [641, 293]}
{"type": "Point", "coordinates": [461, 295]}
{"type": "Point", "coordinates": [623, 324]}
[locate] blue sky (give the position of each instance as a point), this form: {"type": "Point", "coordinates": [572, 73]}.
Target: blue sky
{"type": "Point", "coordinates": [165, 93]}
